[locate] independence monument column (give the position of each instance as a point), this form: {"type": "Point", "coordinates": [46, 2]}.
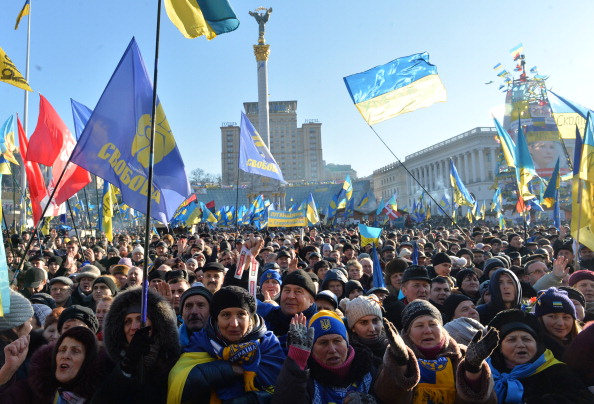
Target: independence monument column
{"type": "Point", "coordinates": [262, 51]}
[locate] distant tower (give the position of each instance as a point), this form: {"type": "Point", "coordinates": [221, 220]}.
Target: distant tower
{"type": "Point", "coordinates": [262, 51]}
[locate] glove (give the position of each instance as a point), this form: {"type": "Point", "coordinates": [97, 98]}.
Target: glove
{"type": "Point", "coordinates": [247, 355]}
{"type": "Point", "coordinates": [139, 346]}
{"type": "Point", "coordinates": [480, 348]}
{"type": "Point", "coordinates": [300, 337]}
{"type": "Point", "coordinates": [359, 398]}
{"type": "Point", "coordinates": [397, 346]}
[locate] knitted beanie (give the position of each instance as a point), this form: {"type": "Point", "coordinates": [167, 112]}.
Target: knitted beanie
{"type": "Point", "coordinates": [463, 329]}
{"type": "Point", "coordinates": [418, 308]}
{"type": "Point", "coordinates": [81, 313]}
{"type": "Point", "coordinates": [554, 300]}
{"type": "Point", "coordinates": [232, 297]}
{"type": "Point", "coordinates": [580, 276]}
{"type": "Point", "coordinates": [451, 304]}
{"type": "Point", "coordinates": [360, 307]}
{"type": "Point", "coordinates": [326, 322]}
{"type": "Point", "coordinates": [109, 282]}
{"type": "Point", "coordinates": [352, 285]}
{"type": "Point", "coordinates": [493, 263]}
{"type": "Point", "coordinates": [193, 291]}
{"type": "Point", "coordinates": [302, 279]}
{"type": "Point", "coordinates": [270, 274]}
{"type": "Point", "coordinates": [462, 274]}
{"type": "Point", "coordinates": [20, 311]}
{"type": "Point", "coordinates": [440, 258]}
{"type": "Point", "coordinates": [41, 311]}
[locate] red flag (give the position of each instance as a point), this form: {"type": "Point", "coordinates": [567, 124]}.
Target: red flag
{"type": "Point", "coordinates": [51, 145]}
{"type": "Point", "coordinates": [211, 206]}
{"type": "Point", "coordinates": [47, 140]}
{"type": "Point", "coordinates": [37, 190]}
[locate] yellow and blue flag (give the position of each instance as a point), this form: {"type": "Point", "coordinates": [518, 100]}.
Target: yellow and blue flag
{"type": "Point", "coordinates": [364, 200]}
{"type": "Point", "coordinates": [312, 211]}
{"type": "Point", "coordinates": [10, 73]}
{"type": "Point", "coordinates": [369, 235]}
{"type": "Point", "coordinates": [400, 86]}
{"type": "Point", "coordinates": [7, 146]}
{"type": "Point", "coordinates": [347, 186]}
{"type": "Point", "coordinates": [195, 18]}
{"type": "Point", "coordinates": [115, 142]}
{"type": "Point", "coordinates": [567, 114]}
{"type": "Point", "coordinates": [4, 282]}
{"type": "Point", "coordinates": [551, 191]}
{"type": "Point", "coordinates": [461, 194]}
{"type": "Point", "coordinates": [254, 156]}
{"type": "Point", "coordinates": [507, 144]}
{"type": "Point", "coordinates": [524, 166]}
{"type": "Point", "coordinates": [516, 51]}
{"type": "Point", "coordinates": [24, 12]}
{"type": "Point", "coordinates": [582, 195]}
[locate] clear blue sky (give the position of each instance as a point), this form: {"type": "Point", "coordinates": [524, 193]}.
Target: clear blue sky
{"type": "Point", "coordinates": [76, 45]}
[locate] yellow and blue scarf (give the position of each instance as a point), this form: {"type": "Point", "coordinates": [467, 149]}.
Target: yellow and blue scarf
{"type": "Point", "coordinates": [508, 387]}
{"type": "Point", "coordinates": [437, 384]}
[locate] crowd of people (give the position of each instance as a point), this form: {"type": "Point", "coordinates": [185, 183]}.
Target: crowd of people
{"type": "Point", "coordinates": [433, 315]}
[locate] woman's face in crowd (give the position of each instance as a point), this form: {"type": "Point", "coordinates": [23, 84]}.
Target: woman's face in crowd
{"type": "Point", "coordinates": [51, 333]}
{"type": "Point", "coordinates": [518, 348]}
{"type": "Point", "coordinates": [368, 327]}
{"type": "Point", "coordinates": [101, 311]}
{"type": "Point", "coordinates": [470, 284]}
{"type": "Point", "coordinates": [425, 332]}
{"type": "Point", "coordinates": [69, 359]}
{"type": "Point", "coordinates": [234, 323]}
{"type": "Point", "coordinates": [331, 350]}
{"type": "Point", "coordinates": [272, 287]}
{"type": "Point", "coordinates": [558, 324]}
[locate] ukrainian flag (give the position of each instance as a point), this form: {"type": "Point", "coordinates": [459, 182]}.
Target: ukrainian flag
{"type": "Point", "coordinates": [550, 194]}
{"type": "Point", "coordinates": [507, 144]}
{"type": "Point", "coordinates": [24, 12]}
{"type": "Point", "coordinates": [195, 18]}
{"type": "Point", "coordinates": [461, 194]}
{"type": "Point", "coordinates": [369, 235]}
{"type": "Point", "coordinates": [567, 115]}
{"type": "Point", "coordinates": [400, 86]}
{"type": "Point", "coordinates": [312, 211]}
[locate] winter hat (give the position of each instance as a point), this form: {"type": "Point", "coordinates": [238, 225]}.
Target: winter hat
{"type": "Point", "coordinates": [121, 269]}
{"type": "Point", "coordinates": [404, 252]}
{"type": "Point", "coordinates": [81, 313]}
{"type": "Point", "coordinates": [352, 285]}
{"type": "Point", "coordinates": [302, 279]}
{"type": "Point", "coordinates": [43, 298]}
{"type": "Point", "coordinates": [507, 321]}
{"type": "Point", "coordinates": [326, 322]}
{"type": "Point", "coordinates": [441, 258]}
{"type": "Point", "coordinates": [554, 300]}
{"type": "Point", "coordinates": [465, 251]}
{"type": "Point", "coordinates": [493, 263]}
{"type": "Point", "coordinates": [193, 291]}
{"type": "Point", "coordinates": [40, 311]}
{"type": "Point", "coordinates": [418, 308]}
{"type": "Point", "coordinates": [20, 311]}
{"type": "Point", "coordinates": [270, 274]}
{"type": "Point", "coordinates": [362, 306]}
{"type": "Point", "coordinates": [578, 354]}
{"type": "Point", "coordinates": [580, 276]}
{"type": "Point", "coordinates": [415, 273]}
{"type": "Point", "coordinates": [88, 271]}
{"type": "Point", "coordinates": [138, 249]}
{"type": "Point", "coordinates": [574, 294]}
{"type": "Point", "coordinates": [87, 338]}
{"type": "Point", "coordinates": [109, 282]}
{"type": "Point", "coordinates": [329, 297]}
{"type": "Point", "coordinates": [463, 329]}
{"type": "Point", "coordinates": [321, 264]}
{"type": "Point", "coordinates": [483, 287]}
{"type": "Point", "coordinates": [451, 304]}
{"type": "Point", "coordinates": [512, 235]}
{"type": "Point", "coordinates": [213, 266]}
{"type": "Point", "coordinates": [232, 296]}
{"type": "Point", "coordinates": [397, 265]}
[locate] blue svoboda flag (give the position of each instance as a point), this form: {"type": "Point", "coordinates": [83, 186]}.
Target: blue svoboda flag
{"type": "Point", "coordinates": [400, 86]}
{"type": "Point", "coordinates": [115, 142]}
{"type": "Point", "coordinates": [254, 156]}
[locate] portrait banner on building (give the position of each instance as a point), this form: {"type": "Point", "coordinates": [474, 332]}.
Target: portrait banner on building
{"type": "Point", "coordinates": [283, 218]}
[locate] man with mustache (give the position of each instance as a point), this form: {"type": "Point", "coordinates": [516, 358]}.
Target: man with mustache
{"type": "Point", "coordinates": [194, 310]}
{"type": "Point", "coordinates": [214, 274]}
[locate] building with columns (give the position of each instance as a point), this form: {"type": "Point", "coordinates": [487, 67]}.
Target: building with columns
{"type": "Point", "coordinates": [475, 155]}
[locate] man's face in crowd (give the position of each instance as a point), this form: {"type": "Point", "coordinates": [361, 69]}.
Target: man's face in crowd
{"type": "Point", "coordinates": [496, 248]}
{"type": "Point", "coordinates": [60, 292]}
{"type": "Point", "coordinates": [213, 280]}
{"type": "Point", "coordinates": [388, 255]}
{"type": "Point", "coordinates": [516, 242]}
{"type": "Point", "coordinates": [85, 285]}
{"type": "Point", "coordinates": [177, 289]}
{"type": "Point", "coordinates": [349, 254]}
{"type": "Point", "coordinates": [566, 254]}
{"type": "Point", "coordinates": [195, 313]}
{"type": "Point", "coordinates": [479, 257]}
{"type": "Point", "coordinates": [294, 300]}
{"type": "Point", "coordinates": [440, 292]}
{"type": "Point", "coordinates": [535, 271]}
{"type": "Point", "coordinates": [416, 289]}
{"type": "Point", "coordinates": [508, 289]}
{"type": "Point", "coordinates": [227, 259]}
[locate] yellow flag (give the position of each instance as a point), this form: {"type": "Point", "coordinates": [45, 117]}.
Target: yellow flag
{"type": "Point", "coordinates": [581, 212]}
{"type": "Point", "coordinates": [109, 199]}
{"type": "Point", "coordinates": [10, 74]}
{"type": "Point", "coordinates": [210, 18]}
{"type": "Point", "coordinates": [45, 229]}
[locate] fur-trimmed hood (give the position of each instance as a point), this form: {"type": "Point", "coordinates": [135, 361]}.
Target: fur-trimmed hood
{"type": "Point", "coordinates": [163, 319]}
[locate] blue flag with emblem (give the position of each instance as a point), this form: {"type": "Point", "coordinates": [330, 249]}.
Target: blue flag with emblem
{"type": "Point", "coordinates": [254, 156]}
{"type": "Point", "coordinates": [115, 142]}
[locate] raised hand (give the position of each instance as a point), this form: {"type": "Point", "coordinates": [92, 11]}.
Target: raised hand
{"type": "Point", "coordinates": [397, 345]}
{"type": "Point", "coordinates": [480, 348]}
{"type": "Point", "coordinates": [560, 268]}
{"type": "Point", "coordinates": [299, 335]}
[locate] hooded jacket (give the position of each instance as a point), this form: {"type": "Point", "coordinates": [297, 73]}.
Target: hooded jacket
{"type": "Point", "coordinates": [164, 351]}
{"type": "Point", "coordinates": [489, 310]}
{"type": "Point", "coordinates": [335, 275]}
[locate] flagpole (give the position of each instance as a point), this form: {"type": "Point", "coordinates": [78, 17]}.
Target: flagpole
{"type": "Point", "coordinates": [237, 190]}
{"type": "Point", "coordinates": [73, 221]}
{"type": "Point", "coordinates": [416, 180]}
{"type": "Point", "coordinates": [143, 306]}
{"type": "Point", "coordinates": [97, 199]}
{"type": "Point", "coordinates": [25, 116]}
